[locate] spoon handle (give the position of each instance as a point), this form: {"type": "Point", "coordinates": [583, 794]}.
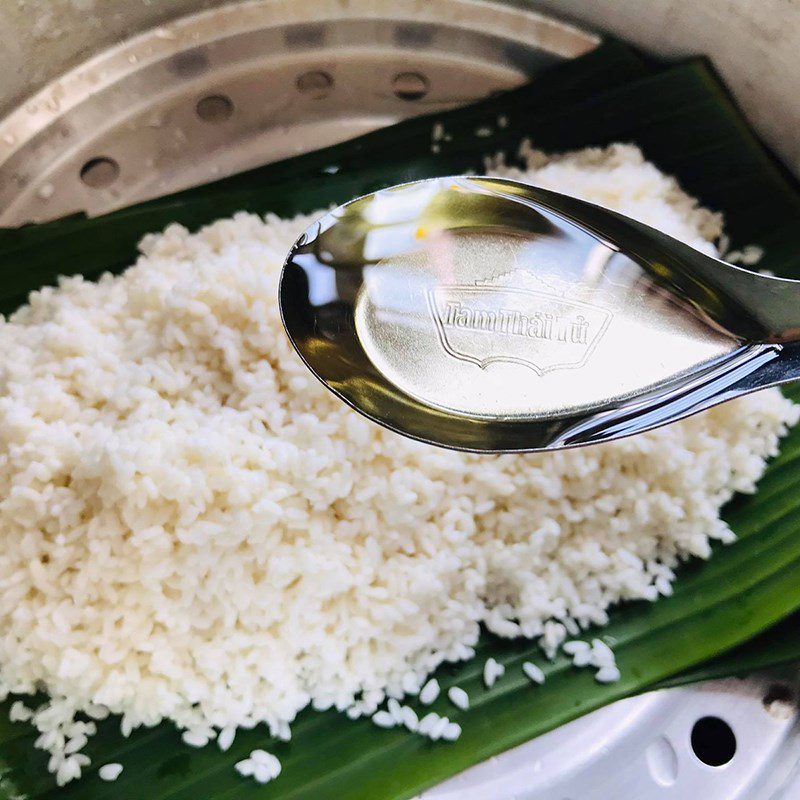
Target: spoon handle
{"type": "Point", "coordinates": [751, 306]}
{"type": "Point", "coordinates": [750, 368]}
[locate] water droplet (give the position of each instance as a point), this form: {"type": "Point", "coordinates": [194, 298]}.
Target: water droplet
{"type": "Point", "coordinates": [46, 191]}
{"type": "Point", "coordinates": [133, 58]}
{"type": "Point", "coordinates": [662, 761]}
{"type": "Point", "coordinates": [165, 33]}
{"type": "Point", "coordinates": [781, 710]}
{"type": "Point", "coordinates": [779, 701]}
{"type": "Point", "coordinates": [9, 139]}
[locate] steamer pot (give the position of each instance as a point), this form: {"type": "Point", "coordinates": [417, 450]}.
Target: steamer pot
{"type": "Point", "coordinates": [105, 102]}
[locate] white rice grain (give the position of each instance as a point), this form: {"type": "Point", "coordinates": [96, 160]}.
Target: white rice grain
{"type": "Point", "coordinates": [607, 675]}
{"type": "Point", "coordinates": [575, 646]}
{"type": "Point", "coordinates": [410, 719]}
{"type": "Point", "coordinates": [602, 654]}
{"type": "Point", "coordinates": [451, 732]}
{"type": "Point", "coordinates": [383, 719]}
{"type": "Point", "coordinates": [395, 710]}
{"type": "Point", "coordinates": [19, 712]}
{"type": "Point", "coordinates": [533, 672]}
{"type": "Point", "coordinates": [458, 697]}
{"type": "Point", "coordinates": [110, 772]}
{"type": "Point", "coordinates": [427, 722]}
{"type": "Point", "coordinates": [429, 692]}
{"type": "Point", "coordinates": [261, 766]}
{"type": "Point", "coordinates": [438, 728]}
{"type": "Point", "coordinates": [194, 738]}
{"type": "Point", "coordinates": [226, 737]}
{"type": "Point", "coordinates": [492, 670]}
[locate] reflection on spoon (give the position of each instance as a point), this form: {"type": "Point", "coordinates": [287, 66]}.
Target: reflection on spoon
{"type": "Point", "coordinates": [485, 314]}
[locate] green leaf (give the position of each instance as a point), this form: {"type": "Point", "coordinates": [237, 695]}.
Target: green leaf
{"type": "Point", "coordinates": [686, 124]}
{"type": "Point", "coordinates": [776, 647]}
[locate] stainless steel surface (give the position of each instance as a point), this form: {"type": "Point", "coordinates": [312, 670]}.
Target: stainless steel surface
{"type": "Point", "coordinates": [286, 77]}
{"type": "Point", "coordinates": [486, 314]}
{"type": "Point", "coordinates": [641, 748]}
{"type": "Point", "coordinates": [753, 43]}
{"type": "Point", "coordinates": [95, 99]}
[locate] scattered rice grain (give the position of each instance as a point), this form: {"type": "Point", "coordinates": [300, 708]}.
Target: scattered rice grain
{"type": "Point", "coordinates": [533, 672]}
{"type": "Point", "coordinates": [458, 697]}
{"type": "Point", "coordinates": [429, 693]}
{"type": "Point", "coordinates": [110, 772]}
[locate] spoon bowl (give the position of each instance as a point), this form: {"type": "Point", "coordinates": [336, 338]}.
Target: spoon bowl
{"type": "Point", "coordinates": [486, 314]}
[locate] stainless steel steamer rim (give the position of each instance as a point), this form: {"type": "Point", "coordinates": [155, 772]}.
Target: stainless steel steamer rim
{"type": "Point", "coordinates": [235, 86]}
{"type": "Point", "coordinates": [230, 87]}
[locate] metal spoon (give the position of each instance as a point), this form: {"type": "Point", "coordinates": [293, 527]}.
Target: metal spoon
{"type": "Point", "coordinates": [485, 314]}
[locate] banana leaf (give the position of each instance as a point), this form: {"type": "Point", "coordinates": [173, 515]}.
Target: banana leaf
{"type": "Point", "coordinates": [778, 646]}
{"type": "Point", "coordinates": [686, 123]}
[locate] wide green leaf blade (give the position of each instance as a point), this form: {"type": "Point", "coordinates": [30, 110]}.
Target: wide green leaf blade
{"type": "Point", "coordinates": [776, 647]}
